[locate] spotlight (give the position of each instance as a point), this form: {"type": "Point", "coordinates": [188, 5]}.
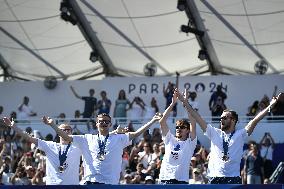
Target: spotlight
{"type": "Point", "coordinates": [64, 7]}
{"type": "Point", "coordinates": [94, 56]}
{"type": "Point", "coordinates": [64, 16]}
{"type": "Point", "coordinates": [261, 67]}
{"type": "Point", "coordinates": [188, 29]}
{"type": "Point", "coordinates": [66, 13]}
{"type": "Point", "coordinates": [202, 54]}
{"type": "Point", "coordinates": [181, 4]}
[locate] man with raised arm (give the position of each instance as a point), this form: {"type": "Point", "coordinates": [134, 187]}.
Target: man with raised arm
{"type": "Point", "coordinates": [178, 148]}
{"type": "Point", "coordinates": [227, 144]}
{"type": "Point", "coordinates": [102, 153]}
{"type": "Point", "coordinates": [90, 102]}
{"type": "Point", "coordinates": [62, 159]}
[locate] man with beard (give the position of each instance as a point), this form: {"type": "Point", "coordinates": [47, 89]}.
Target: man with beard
{"type": "Point", "coordinates": [227, 144]}
{"type": "Point", "coordinates": [178, 148]}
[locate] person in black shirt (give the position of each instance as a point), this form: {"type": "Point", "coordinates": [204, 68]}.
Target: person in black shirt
{"type": "Point", "coordinates": [90, 102]}
{"type": "Point", "coordinates": [253, 166]}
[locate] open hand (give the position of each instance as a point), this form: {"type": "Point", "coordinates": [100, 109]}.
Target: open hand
{"type": "Point", "coordinates": [47, 120]}
{"type": "Point", "coordinates": [8, 122]}
{"type": "Point", "coordinates": [157, 116]}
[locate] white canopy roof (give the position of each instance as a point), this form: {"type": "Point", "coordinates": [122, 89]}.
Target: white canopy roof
{"type": "Point", "coordinates": [128, 34]}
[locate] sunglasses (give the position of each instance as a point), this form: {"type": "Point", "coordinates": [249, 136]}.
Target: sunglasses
{"type": "Point", "coordinates": [65, 130]}
{"type": "Point", "coordinates": [181, 127]}
{"type": "Point", "coordinates": [225, 117]}
{"type": "Point", "coordinates": [103, 121]}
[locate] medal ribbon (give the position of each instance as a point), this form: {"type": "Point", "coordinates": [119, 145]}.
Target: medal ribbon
{"type": "Point", "coordinates": [226, 143]}
{"type": "Point", "coordinates": [63, 156]}
{"type": "Point", "coordinates": [102, 144]}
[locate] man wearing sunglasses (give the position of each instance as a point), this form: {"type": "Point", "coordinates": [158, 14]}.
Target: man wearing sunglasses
{"type": "Point", "coordinates": [102, 152]}
{"type": "Point", "coordinates": [227, 144]}
{"type": "Point", "coordinates": [62, 159]}
{"type": "Point", "coordinates": [178, 148]}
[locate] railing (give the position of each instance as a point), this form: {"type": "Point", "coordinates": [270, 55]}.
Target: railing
{"type": "Point", "coordinates": [274, 125]}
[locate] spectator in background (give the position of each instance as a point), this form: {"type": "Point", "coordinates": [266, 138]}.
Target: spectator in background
{"type": "Point", "coordinates": [253, 169]}
{"type": "Point", "coordinates": [1, 112]}
{"type": "Point", "coordinates": [77, 114]}
{"type": "Point", "coordinates": [266, 150]}
{"type": "Point", "coordinates": [61, 117]}
{"type": "Point", "coordinates": [13, 116]}
{"type": "Point", "coordinates": [127, 179]}
{"type": "Point", "coordinates": [136, 109]}
{"type": "Point", "coordinates": [146, 156]}
{"type": "Point", "coordinates": [20, 177]}
{"type": "Point", "coordinates": [197, 177]}
{"type": "Point", "coordinates": [25, 110]}
{"type": "Point", "coordinates": [90, 102]}
{"type": "Point", "coordinates": [278, 109]}
{"type": "Point", "coordinates": [169, 92]}
{"type": "Point", "coordinates": [192, 100]}
{"type": "Point", "coordinates": [149, 180]}
{"type": "Point", "coordinates": [121, 106]}
{"type": "Point", "coordinates": [156, 136]}
{"type": "Point", "coordinates": [139, 175]}
{"type": "Point", "coordinates": [214, 98]}
{"type": "Point", "coordinates": [253, 109]}
{"type": "Point", "coordinates": [178, 148]}
{"type": "Point", "coordinates": [217, 109]}
{"type": "Point", "coordinates": [151, 110]}
{"type": "Point", "coordinates": [104, 104]}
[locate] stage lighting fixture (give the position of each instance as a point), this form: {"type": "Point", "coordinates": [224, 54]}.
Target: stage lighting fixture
{"type": "Point", "coordinates": [66, 13]}
{"type": "Point", "coordinates": [188, 29]}
{"type": "Point", "coordinates": [202, 54]}
{"type": "Point", "coordinates": [181, 4]}
{"type": "Point", "coordinates": [63, 7]}
{"type": "Point", "coordinates": [261, 67]}
{"type": "Point", "coordinates": [94, 57]}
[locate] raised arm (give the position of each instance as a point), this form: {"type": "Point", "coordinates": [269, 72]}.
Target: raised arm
{"type": "Point", "coordinates": [184, 100]}
{"type": "Point", "coordinates": [74, 92]}
{"type": "Point", "coordinates": [271, 140]}
{"type": "Point", "coordinates": [177, 79]}
{"type": "Point", "coordinates": [50, 122]}
{"type": "Point", "coordinates": [263, 138]}
{"type": "Point", "coordinates": [252, 124]}
{"type": "Point", "coordinates": [166, 114]}
{"type": "Point", "coordinates": [23, 134]}
{"type": "Point", "coordinates": [201, 122]}
{"type": "Point", "coordinates": [142, 129]}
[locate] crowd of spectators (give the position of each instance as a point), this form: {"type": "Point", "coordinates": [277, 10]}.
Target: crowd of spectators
{"type": "Point", "coordinates": [22, 163]}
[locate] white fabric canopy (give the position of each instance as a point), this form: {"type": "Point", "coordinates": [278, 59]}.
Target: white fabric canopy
{"type": "Point", "coordinates": [36, 43]}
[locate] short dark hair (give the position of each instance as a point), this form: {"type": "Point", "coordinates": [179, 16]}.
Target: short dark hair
{"type": "Point", "coordinates": [234, 114]}
{"type": "Point", "coordinates": [104, 115]}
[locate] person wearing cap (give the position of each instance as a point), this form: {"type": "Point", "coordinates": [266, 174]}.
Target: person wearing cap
{"type": "Point", "coordinates": [127, 179]}
{"type": "Point", "coordinates": [102, 152]}
{"type": "Point", "coordinates": [149, 180]}
{"type": "Point", "coordinates": [62, 159]}
{"type": "Point", "coordinates": [197, 177]}
{"type": "Point", "coordinates": [227, 144]}
{"type": "Point", "coordinates": [179, 147]}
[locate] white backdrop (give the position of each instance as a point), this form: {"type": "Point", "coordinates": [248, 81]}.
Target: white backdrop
{"type": "Point", "coordinates": [241, 92]}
